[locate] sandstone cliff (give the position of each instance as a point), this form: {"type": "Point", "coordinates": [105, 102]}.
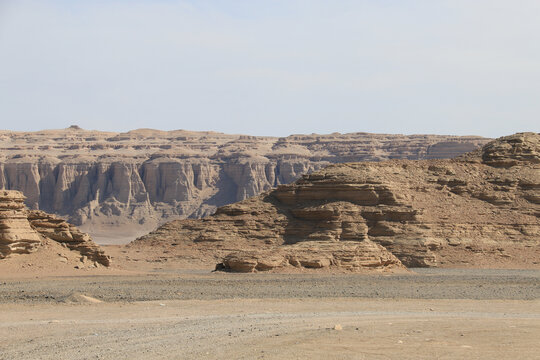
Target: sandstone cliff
{"type": "Point", "coordinates": [143, 177]}
{"type": "Point", "coordinates": [481, 207]}
{"type": "Point", "coordinates": [16, 234]}
{"type": "Point", "coordinates": [23, 231]}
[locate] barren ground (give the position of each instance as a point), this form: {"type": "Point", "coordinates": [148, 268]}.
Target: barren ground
{"type": "Point", "coordinates": [434, 314]}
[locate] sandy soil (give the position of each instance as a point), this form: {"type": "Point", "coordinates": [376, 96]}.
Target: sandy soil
{"type": "Point", "coordinates": [434, 314]}
{"type": "Point", "coordinates": [116, 234]}
{"type": "Point", "coordinates": [273, 329]}
{"type": "Point", "coordinates": [54, 260]}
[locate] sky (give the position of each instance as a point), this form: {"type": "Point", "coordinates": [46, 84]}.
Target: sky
{"type": "Point", "coordinates": [274, 67]}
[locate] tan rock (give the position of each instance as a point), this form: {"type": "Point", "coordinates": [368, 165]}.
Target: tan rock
{"type": "Point", "coordinates": [61, 231]}
{"type": "Point", "coordinates": [16, 234]}
{"type": "Point", "coordinates": [143, 178]}
{"type": "Point", "coordinates": [22, 231]}
{"type": "Point", "coordinates": [360, 216]}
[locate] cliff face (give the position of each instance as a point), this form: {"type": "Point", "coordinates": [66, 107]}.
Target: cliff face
{"type": "Point", "coordinates": [23, 231]}
{"type": "Point", "coordinates": [143, 177]}
{"type": "Point", "coordinates": [482, 207]}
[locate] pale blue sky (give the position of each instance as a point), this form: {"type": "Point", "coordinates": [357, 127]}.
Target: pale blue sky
{"type": "Point", "coordinates": [272, 67]}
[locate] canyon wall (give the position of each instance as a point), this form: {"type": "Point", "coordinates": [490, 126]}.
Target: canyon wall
{"type": "Point", "coordinates": [139, 179]}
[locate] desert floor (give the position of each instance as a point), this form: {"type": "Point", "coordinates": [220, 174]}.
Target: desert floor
{"type": "Point", "coordinates": [433, 314]}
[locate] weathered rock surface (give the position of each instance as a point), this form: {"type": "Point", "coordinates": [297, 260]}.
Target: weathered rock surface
{"type": "Point", "coordinates": [16, 234]}
{"type": "Point", "coordinates": [143, 177]}
{"type": "Point", "coordinates": [61, 231]}
{"type": "Point", "coordinates": [357, 215]}
{"type": "Point", "coordinates": [346, 255]}
{"type": "Point", "coordinates": [22, 231]}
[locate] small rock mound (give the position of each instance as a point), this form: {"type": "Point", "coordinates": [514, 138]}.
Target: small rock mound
{"type": "Point", "coordinates": [510, 150]}
{"type": "Point", "coordinates": [346, 255]}
{"type": "Point", "coordinates": [80, 298]}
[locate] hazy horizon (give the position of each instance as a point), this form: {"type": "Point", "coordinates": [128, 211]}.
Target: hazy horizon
{"type": "Point", "coordinates": [271, 68]}
{"type": "Point", "coordinates": [238, 133]}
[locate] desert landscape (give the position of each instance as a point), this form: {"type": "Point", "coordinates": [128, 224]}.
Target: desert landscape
{"type": "Point", "coordinates": [274, 317]}
{"type": "Point", "coordinates": [304, 180]}
{"type": "Point", "coordinates": [117, 186]}
{"type": "Point", "coordinates": [427, 258]}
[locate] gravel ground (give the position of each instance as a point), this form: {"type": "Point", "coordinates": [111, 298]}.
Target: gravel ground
{"type": "Point", "coordinates": [433, 314]}
{"type": "Point", "coordinates": [199, 285]}
{"type": "Point", "coordinates": [273, 329]}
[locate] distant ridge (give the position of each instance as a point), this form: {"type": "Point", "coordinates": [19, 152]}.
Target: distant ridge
{"type": "Point", "coordinates": [141, 178]}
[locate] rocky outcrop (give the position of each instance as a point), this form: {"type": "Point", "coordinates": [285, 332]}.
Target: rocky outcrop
{"type": "Point", "coordinates": [367, 214]}
{"type": "Point", "coordinates": [144, 177]}
{"type": "Point", "coordinates": [345, 255]}
{"type": "Point", "coordinates": [16, 235]}
{"type": "Point", "coordinates": [509, 151]}
{"type": "Point", "coordinates": [22, 231]}
{"type": "Point", "coordinates": [61, 231]}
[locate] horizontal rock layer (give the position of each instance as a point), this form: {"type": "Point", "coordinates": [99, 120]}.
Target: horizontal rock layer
{"type": "Point", "coordinates": [346, 255]}
{"type": "Point", "coordinates": [144, 177]}
{"type": "Point", "coordinates": [16, 234]}
{"type": "Point", "coordinates": [61, 231]}
{"type": "Point", "coordinates": [22, 231]}
{"type": "Point", "coordinates": [418, 211]}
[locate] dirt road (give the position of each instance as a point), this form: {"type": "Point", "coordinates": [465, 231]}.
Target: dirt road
{"type": "Point", "coordinates": [224, 316]}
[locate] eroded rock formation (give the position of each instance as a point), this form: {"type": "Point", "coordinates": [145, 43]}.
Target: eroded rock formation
{"type": "Point", "coordinates": [369, 214]}
{"type": "Point", "coordinates": [16, 234]}
{"type": "Point", "coordinates": [61, 231]}
{"type": "Point", "coordinates": [144, 177]}
{"type": "Point", "coordinates": [346, 255]}
{"type": "Point", "coordinates": [22, 231]}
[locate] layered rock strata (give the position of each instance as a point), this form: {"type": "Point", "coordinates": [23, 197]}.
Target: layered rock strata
{"type": "Point", "coordinates": [16, 234]}
{"type": "Point", "coordinates": [143, 177]}
{"type": "Point", "coordinates": [61, 231]}
{"type": "Point", "coordinates": [358, 215]}
{"type": "Point", "coordinates": [346, 255]}
{"type": "Point", "coordinates": [22, 231]}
